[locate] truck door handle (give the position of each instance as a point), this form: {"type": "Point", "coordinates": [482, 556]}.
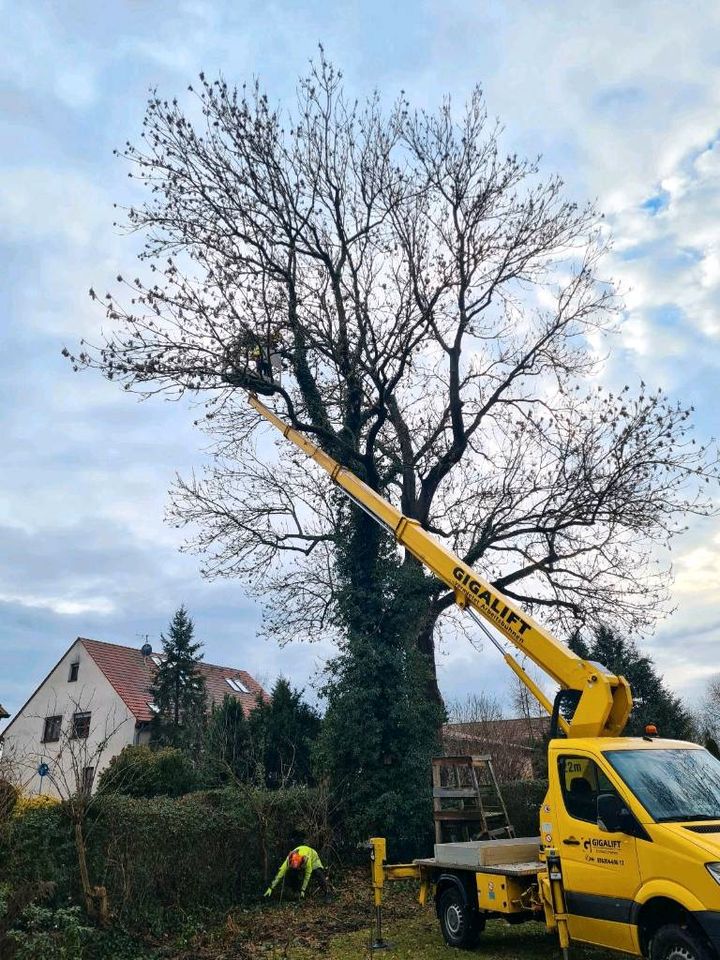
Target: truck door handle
{"type": "Point", "coordinates": [571, 842]}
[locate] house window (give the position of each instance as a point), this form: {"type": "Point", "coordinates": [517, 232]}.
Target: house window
{"type": "Point", "coordinates": [88, 775]}
{"type": "Point", "coordinates": [74, 669]}
{"type": "Point", "coordinates": [80, 726]}
{"type": "Point", "coordinates": [237, 685]}
{"type": "Point", "coordinates": [51, 732]}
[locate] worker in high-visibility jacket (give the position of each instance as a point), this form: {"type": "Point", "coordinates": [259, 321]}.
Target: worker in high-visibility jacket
{"type": "Point", "coordinates": [301, 865]}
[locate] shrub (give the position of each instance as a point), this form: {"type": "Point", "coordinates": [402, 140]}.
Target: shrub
{"type": "Point", "coordinates": [523, 799]}
{"type": "Point", "coordinates": [37, 847]}
{"type": "Point", "coordinates": [9, 795]}
{"type": "Point", "coordinates": [60, 934]}
{"type": "Point", "coordinates": [206, 850]}
{"type": "Point", "coordinates": [35, 801]}
{"type": "Point", "coordinates": [142, 772]}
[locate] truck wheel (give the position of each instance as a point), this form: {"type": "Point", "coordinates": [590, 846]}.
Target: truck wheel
{"type": "Point", "coordinates": [461, 925]}
{"type": "Point", "coordinates": [678, 943]}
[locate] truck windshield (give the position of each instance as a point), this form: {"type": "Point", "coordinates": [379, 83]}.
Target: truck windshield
{"type": "Point", "coordinates": [671, 784]}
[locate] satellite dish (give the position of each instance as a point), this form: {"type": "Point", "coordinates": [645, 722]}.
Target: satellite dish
{"type": "Point", "coordinates": [146, 649]}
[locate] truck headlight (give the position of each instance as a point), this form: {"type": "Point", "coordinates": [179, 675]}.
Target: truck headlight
{"type": "Point", "coordinates": [714, 871]}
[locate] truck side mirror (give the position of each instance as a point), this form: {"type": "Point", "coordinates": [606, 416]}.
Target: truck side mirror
{"type": "Point", "coordinates": [612, 814]}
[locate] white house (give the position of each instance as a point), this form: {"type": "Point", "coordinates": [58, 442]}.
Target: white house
{"type": "Point", "coordinates": [94, 702]}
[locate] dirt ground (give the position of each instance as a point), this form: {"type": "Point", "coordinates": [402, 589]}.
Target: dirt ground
{"type": "Point", "coordinates": [285, 928]}
{"type": "Point", "coordinates": [342, 930]}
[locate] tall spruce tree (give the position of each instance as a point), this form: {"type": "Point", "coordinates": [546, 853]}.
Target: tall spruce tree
{"type": "Point", "coordinates": [653, 702]}
{"type": "Point", "coordinates": [283, 732]}
{"type": "Point", "coordinates": [178, 688]}
{"type": "Point", "coordinates": [228, 741]}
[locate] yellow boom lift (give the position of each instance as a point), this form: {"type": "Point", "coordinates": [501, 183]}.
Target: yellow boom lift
{"type": "Point", "coordinates": [628, 853]}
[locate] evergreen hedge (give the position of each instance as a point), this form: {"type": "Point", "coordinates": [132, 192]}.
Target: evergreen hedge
{"type": "Point", "coordinates": [161, 857]}
{"type": "Point", "coordinates": [523, 800]}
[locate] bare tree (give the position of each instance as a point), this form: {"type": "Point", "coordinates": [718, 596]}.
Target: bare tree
{"type": "Point", "coordinates": [80, 749]}
{"type": "Point", "coordinates": [709, 709]}
{"type": "Point", "coordinates": [524, 704]}
{"type": "Point", "coordinates": [15, 777]}
{"type": "Point", "coordinates": [479, 724]}
{"type": "Point", "coordinates": [428, 311]}
{"type": "Point", "coordinates": [481, 709]}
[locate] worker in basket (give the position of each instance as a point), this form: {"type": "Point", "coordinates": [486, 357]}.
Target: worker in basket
{"type": "Point", "coordinates": [297, 870]}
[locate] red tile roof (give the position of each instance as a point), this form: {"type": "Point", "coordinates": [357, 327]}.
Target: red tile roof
{"type": "Point", "coordinates": [521, 732]}
{"type": "Point", "coordinates": [130, 673]}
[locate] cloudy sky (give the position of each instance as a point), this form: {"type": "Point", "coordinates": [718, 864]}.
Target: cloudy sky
{"type": "Point", "coordinates": [623, 100]}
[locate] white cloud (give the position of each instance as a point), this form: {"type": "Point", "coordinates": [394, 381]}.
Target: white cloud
{"type": "Point", "coordinates": [76, 85]}
{"type": "Point", "coordinates": [61, 605]}
{"type": "Point", "coordinates": [51, 203]}
{"type": "Point", "coordinates": [698, 570]}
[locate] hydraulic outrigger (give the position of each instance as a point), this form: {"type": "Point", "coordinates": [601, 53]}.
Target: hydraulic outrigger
{"type": "Point", "coordinates": [621, 860]}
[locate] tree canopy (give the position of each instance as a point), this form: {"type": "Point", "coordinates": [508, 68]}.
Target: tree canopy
{"type": "Point", "coordinates": [428, 309]}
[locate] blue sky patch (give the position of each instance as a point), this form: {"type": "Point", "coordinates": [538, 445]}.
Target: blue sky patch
{"type": "Point", "coordinates": [656, 203]}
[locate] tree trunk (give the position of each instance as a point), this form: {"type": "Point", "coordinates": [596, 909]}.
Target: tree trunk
{"type": "Point", "coordinates": [426, 647]}
{"type": "Point", "coordinates": [96, 899]}
{"type": "Point", "coordinates": [81, 852]}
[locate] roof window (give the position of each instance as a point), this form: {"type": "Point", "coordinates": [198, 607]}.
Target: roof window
{"type": "Point", "coordinates": [236, 684]}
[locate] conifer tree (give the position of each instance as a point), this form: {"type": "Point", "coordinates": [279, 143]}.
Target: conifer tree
{"type": "Point", "coordinates": [653, 702]}
{"type": "Point", "coordinates": [178, 688]}
{"type": "Point", "coordinates": [228, 742]}
{"type": "Point", "coordinates": [283, 732]}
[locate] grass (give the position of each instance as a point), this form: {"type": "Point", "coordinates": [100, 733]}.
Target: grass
{"type": "Point", "coordinates": [419, 938]}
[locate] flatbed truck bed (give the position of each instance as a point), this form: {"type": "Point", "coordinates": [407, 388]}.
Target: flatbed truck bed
{"type": "Point", "coordinates": [527, 869]}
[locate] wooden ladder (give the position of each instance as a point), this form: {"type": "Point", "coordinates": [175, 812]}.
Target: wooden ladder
{"type": "Point", "coordinates": [467, 800]}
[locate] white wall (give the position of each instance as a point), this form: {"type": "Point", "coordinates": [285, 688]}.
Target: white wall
{"type": "Point", "coordinates": [110, 720]}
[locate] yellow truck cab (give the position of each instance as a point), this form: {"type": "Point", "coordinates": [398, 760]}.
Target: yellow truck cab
{"type": "Point", "coordinates": [636, 825]}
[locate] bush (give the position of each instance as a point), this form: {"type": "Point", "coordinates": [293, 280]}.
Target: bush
{"type": "Point", "coordinates": [40, 932]}
{"type": "Point", "coordinates": [60, 934]}
{"type": "Point", "coordinates": [142, 772]}
{"type": "Point", "coordinates": [523, 799]}
{"type": "Point", "coordinates": [37, 848]}
{"type": "Point", "coordinates": [9, 795]}
{"type": "Point", "coordinates": [35, 801]}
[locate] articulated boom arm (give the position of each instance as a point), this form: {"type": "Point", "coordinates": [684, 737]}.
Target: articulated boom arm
{"type": "Point", "coordinates": [605, 700]}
